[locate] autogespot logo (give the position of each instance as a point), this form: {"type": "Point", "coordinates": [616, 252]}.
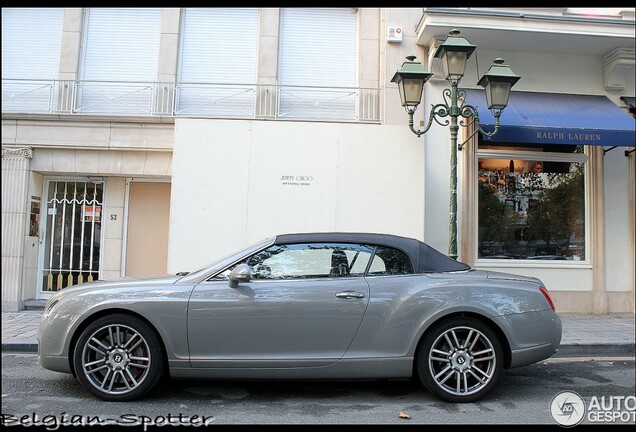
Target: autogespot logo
{"type": "Point", "coordinates": [567, 408]}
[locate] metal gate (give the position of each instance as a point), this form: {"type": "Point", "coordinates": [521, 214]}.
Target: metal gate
{"type": "Point", "coordinates": [72, 234]}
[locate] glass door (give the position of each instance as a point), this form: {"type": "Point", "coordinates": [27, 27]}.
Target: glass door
{"type": "Point", "coordinates": [72, 233]}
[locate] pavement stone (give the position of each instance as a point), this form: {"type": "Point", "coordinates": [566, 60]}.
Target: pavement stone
{"type": "Point", "coordinates": [610, 335]}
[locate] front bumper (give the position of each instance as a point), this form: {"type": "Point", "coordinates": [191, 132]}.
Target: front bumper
{"type": "Point", "coordinates": [54, 340]}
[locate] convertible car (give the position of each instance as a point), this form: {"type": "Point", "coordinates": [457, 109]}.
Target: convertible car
{"type": "Point", "coordinates": [304, 306]}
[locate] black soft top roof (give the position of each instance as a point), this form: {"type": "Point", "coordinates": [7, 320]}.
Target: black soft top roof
{"type": "Point", "coordinates": [425, 259]}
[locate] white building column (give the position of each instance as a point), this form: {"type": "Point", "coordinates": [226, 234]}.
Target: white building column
{"type": "Point", "coordinates": [599, 290]}
{"type": "Point", "coordinates": [15, 170]}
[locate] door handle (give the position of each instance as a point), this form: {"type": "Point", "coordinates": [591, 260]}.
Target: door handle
{"type": "Point", "coordinates": [350, 295]}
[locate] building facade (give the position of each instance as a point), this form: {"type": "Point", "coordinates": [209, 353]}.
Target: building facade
{"type": "Point", "coordinates": [147, 141]}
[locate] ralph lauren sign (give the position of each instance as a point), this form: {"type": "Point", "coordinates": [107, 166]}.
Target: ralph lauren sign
{"type": "Point", "coordinates": [574, 137]}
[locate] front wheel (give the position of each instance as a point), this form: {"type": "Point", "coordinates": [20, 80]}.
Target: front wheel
{"type": "Point", "coordinates": [118, 357]}
{"type": "Point", "coordinates": [460, 360]}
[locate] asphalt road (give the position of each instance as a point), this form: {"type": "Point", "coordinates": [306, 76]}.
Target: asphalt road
{"type": "Point", "coordinates": [32, 395]}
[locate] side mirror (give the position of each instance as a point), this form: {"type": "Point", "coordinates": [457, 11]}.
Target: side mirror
{"type": "Point", "coordinates": [241, 273]}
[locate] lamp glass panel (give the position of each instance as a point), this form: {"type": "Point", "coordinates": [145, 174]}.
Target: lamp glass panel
{"type": "Point", "coordinates": [454, 63]}
{"type": "Point", "coordinates": [497, 94]}
{"type": "Point", "coordinates": [411, 91]}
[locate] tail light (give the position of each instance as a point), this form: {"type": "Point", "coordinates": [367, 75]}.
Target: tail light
{"type": "Point", "coordinates": [546, 294]}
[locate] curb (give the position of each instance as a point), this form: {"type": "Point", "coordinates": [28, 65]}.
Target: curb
{"type": "Point", "coordinates": [596, 350]}
{"type": "Point", "coordinates": [20, 347]}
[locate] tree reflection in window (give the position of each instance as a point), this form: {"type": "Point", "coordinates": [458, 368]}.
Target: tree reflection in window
{"type": "Point", "coordinates": [310, 260]}
{"type": "Point", "coordinates": [525, 214]}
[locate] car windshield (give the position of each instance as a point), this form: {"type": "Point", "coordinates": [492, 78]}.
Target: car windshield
{"type": "Point", "coordinates": [227, 260]}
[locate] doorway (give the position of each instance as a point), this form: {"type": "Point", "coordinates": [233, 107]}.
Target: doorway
{"type": "Point", "coordinates": [148, 216]}
{"type": "Point", "coordinates": [72, 215]}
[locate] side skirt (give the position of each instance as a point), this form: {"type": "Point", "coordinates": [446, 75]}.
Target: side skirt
{"type": "Point", "coordinates": [377, 368]}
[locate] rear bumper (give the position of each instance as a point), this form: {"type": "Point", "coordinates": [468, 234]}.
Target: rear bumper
{"type": "Point", "coordinates": [533, 336]}
{"type": "Point", "coordinates": [526, 356]}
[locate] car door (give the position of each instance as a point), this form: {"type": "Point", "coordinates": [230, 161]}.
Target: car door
{"type": "Point", "coordinates": [302, 308]}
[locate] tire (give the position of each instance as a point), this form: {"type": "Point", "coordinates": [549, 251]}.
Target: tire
{"type": "Point", "coordinates": [118, 357]}
{"type": "Point", "coordinates": [457, 371]}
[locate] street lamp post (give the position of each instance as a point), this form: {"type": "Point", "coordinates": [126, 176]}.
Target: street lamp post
{"type": "Point", "coordinates": [497, 82]}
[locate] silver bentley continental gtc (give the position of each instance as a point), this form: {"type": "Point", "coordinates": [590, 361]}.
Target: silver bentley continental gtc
{"type": "Point", "coordinates": [305, 306]}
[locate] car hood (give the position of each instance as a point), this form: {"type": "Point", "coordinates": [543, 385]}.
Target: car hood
{"type": "Point", "coordinates": [121, 283]}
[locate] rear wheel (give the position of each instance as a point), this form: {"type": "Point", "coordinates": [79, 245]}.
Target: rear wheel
{"type": "Point", "coordinates": [460, 360]}
{"type": "Point", "coordinates": [118, 357]}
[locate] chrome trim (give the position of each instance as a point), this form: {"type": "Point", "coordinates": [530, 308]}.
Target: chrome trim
{"type": "Point", "coordinates": [350, 295]}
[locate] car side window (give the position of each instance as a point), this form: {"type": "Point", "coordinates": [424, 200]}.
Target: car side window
{"type": "Point", "coordinates": [310, 260]}
{"type": "Point", "coordinates": [389, 261]}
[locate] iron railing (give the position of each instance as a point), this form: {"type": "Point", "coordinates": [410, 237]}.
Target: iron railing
{"type": "Point", "coordinates": [180, 99]}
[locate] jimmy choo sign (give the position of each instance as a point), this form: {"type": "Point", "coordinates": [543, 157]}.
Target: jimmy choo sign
{"type": "Point", "coordinates": [296, 180]}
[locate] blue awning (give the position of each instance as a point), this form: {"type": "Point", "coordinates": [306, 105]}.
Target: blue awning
{"type": "Point", "coordinates": [553, 118]}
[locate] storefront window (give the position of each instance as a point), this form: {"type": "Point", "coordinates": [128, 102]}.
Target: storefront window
{"type": "Point", "coordinates": [530, 209]}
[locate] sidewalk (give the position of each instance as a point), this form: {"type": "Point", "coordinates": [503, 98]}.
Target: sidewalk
{"type": "Point", "coordinates": [583, 335]}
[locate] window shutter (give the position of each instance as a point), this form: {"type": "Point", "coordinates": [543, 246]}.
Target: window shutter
{"type": "Point", "coordinates": [121, 48]}
{"type": "Point", "coordinates": [218, 62]}
{"type": "Point", "coordinates": [318, 49]}
{"type": "Point", "coordinates": [31, 46]}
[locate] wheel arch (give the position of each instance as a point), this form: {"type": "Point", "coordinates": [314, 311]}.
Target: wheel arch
{"type": "Point", "coordinates": [104, 312]}
{"type": "Point", "coordinates": [463, 314]}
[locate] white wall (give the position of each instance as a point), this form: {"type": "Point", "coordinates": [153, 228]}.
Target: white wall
{"type": "Point", "coordinates": [228, 185]}
{"type": "Point", "coordinates": [618, 257]}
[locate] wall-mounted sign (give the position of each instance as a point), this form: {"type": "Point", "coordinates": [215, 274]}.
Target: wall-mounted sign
{"type": "Point", "coordinates": [34, 218]}
{"type": "Point", "coordinates": [90, 213]}
{"type": "Point", "coordinates": [296, 180]}
{"type": "Point", "coordinates": [394, 34]}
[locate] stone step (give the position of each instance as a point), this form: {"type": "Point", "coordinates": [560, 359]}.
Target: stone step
{"type": "Point", "coordinates": [34, 305]}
